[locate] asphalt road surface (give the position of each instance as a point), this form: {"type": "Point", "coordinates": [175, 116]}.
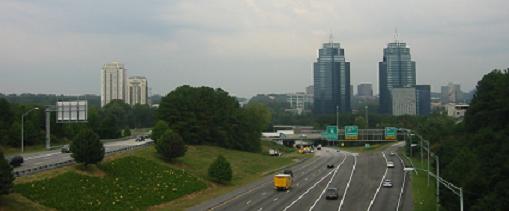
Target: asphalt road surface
{"type": "Point", "coordinates": [358, 178]}
{"type": "Point", "coordinates": [54, 156]}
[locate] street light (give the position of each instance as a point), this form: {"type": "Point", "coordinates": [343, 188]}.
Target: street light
{"type": "Point", "coordinates": [22, 124]}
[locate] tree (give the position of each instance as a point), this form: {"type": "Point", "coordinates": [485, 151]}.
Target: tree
{"type": "Point", "coordinates": [86, 147]}
{"type": "Point", "coordinates": [170, 145]}
{"type": "Point", "coordinates": [220, 170]}
{"type": "Point", "coordinates": [6, 176]}
{"type": "Point", "coordinates": [127, 132]}
{"type": "Point", "coordinates": [159, 129]}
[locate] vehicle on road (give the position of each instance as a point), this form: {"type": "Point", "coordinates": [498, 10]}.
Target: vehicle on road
{"type": "Point", "coordinates": [392, 153]}
{"type": "Point", "coordinates": [319, 147]}
{"type": "Point", "coordinates": [140, 138]}
{"type": "Point", "coordinates": [329, 166]}
{"type": "Point", "coordinates": [65, 149]}
{"type": "Point", "coordinates": [387, 183]}
{"type": "Point", "coordinates": [331, 194]}
{"type": "Point", "coordinates": [390, 164]}
{"type": "Point", "coordinates": [283, 181]}
{"type": "Point", "coordinates": [16, 161]}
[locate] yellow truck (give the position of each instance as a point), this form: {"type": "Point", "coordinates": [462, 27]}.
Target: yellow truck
{"type": "Point", "coordinates": [283, 181]}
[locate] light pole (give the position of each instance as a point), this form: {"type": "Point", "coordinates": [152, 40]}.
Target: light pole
{"type": "Point", "coordinates": [22, 126]}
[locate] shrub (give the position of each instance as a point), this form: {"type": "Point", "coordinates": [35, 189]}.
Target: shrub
{"type": "Point", "coordinates": [159, 129]}
{"type": "Point", "coordinates": [6, 177]}
{"type": "Point", "coordinates": [127, 132]}
{"type": "Point", "coordinates": [220, 170]}
{"type": "Point", "coordinates": [86, 147]}
{"type": "Point", "coordinates": [170, 145]}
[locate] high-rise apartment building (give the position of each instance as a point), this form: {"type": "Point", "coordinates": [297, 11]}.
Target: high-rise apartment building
{"type": "Point", "coordinates": [137, 91]}
{"type": "Point", "coordinates": [423, 97]}
{"type": "Point", "coordinates": [451, 94]}
{"type": "Point", "coordinates": [396, 70]}
{"type": "Point", "coordinates": [113, 83]}
{"type": "Point", "coordinates": [365, 90]}
{"type": "Point", "coordinates": [331, 76]}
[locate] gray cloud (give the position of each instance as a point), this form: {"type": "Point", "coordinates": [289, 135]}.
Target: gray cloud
{"type": "Point", "coordinates": [246, 47]}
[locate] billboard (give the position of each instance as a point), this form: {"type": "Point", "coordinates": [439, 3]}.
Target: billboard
{"type": "Point", "coordinates": [351, 132]}
{"type": "Point", "coordinates": [391, 133]}
{"type": "Point", "coordinates": [72, 111]}
{"type": "Point", "coordinates": [331, 133]}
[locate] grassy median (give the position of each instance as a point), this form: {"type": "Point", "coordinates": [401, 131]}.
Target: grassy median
{"type": "Point", "coordinates": [122, 177]}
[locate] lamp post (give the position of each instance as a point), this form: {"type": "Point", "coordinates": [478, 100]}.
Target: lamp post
{"type": "Point", "coordinates": [22, 126]}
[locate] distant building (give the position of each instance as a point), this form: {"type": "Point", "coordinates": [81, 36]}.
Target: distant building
{"type": "Point", "coordinates": [396, 70]}
{"type": "Point", "coordinates": [137, 90]}
{"type": "Point", "coordinates": [451, 94]}
{"type": "Point", "coordinates": [423, 96]}
{"type": "Point", "coordinates": [331, 76]}
{"type": "Point", "coordinates": [365, 90]}
{"type": "Point", "coordinates": [310, 90]}
{"type": "Point", "coordinates": [113, 83]}
{"type": "Point", "coordinates": [456, 110]}
{"type": "Point", "coordinates": [298, 102]}
{"type": "Point", "coordinates": [404, 101]}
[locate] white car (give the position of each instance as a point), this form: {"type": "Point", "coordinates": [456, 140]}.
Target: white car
{"type": "Point", "coordinates": [387, 183]}
{"type": "Point", "coordinates": [390, 164]}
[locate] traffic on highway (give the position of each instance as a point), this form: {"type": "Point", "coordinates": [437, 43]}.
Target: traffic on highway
{"type": "Point", "coordinates": [331, 180]}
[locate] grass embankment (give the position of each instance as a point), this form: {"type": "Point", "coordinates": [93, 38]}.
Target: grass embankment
{"type": "Point", "coordinates": [247, 167]}
{"type": "Point", "coordinates": [423, 195]}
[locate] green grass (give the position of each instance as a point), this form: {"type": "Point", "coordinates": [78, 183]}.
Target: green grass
{"type": "Point", "coordinates": [423, 196]}
{"type": "Point", "coordinates": [129, 183]}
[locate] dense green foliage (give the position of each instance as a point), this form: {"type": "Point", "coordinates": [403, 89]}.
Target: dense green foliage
{"type": "Point", "coordinates": [6, 176]}
{"type": "Point", "coordinates": [86, 147]}
{"type": "Point", "coordinates": [130, 183]}
{"type": "Point", "coordinates": [170, 145]}
{"type": "Point", "coordinates": [220, 170]}
{"type": "Point", "coordinates": [159, 129]}
{"type": "Point", "coordinates": [202, 115]}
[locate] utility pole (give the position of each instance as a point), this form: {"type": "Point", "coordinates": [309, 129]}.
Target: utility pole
{"type": "Point", "coordinates": [438, 182]}
{"type": "Point", "coordinates": [461, 199]}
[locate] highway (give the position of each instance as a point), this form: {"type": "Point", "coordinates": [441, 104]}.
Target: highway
{"type": "Point", "coordinates": [40, 159]}
{"type": "Point", "coordinates": [358, 178]}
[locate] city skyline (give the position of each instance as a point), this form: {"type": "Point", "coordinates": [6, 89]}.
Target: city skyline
{"type": "Point", "coordinates": [251, 43]}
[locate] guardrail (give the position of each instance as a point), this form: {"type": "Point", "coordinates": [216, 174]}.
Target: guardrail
{"type": "Point", "coordinates": [29, 171]}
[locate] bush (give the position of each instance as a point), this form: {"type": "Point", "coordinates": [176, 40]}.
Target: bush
{"type": "Point", "coordinates": [170, 145]}
{"type": "Point", "coordinates": [159, 129]}
{"type": "Point", "coordinates": [220, 170]}
{"type": "Point", "coordinates": [127, 132]}
{"type": "Point", "coordinates": [86, 147]}
{"type": "Point", "coordinates": [16, 161]}
{"type": "Point", "coordinates": [6, 177]}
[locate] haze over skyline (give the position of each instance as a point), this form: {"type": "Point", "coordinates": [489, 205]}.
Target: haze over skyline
{"type": "Point", "coordinates": [244, 47]}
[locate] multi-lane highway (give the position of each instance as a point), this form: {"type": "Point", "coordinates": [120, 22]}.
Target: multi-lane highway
{"type": "Point", "coordinates": [36, 160]}
{"type": "Point", "coordinates": [358, 177]}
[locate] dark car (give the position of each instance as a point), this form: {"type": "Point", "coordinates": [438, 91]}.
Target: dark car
{"type": "Point", "coordinates": [16, 161]}
{"type": "Point", "coordinates": [329, 166]}
{"type": "Point", "coordinates": [140, 138]}
{"type": "Point", "coordinates": [332, 194]}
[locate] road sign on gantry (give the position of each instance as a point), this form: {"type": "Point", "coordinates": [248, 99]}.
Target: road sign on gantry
{"type": "Point", "coordinates": [72, 111]}
{"type": "Point", "coordinates": [351, 132]}
{"type": "Point", "coordinates": [391, 133]}
{"type": "Point", "coordinates": [331, 133]}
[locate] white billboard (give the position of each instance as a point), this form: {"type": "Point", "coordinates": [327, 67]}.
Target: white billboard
{"type": "Point", "coordinates": [72, 111]}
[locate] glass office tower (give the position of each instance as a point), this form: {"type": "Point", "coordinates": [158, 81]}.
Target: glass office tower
{"type": "Point", "coordinates": [396, 70]}
{"type": "Point", "coordinates": [331, 74]}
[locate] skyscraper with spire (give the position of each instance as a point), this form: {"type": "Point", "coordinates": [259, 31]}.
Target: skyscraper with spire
{"type": "Point", "coordinates": [397, 70]}
{"type": "Point", "coordinates": [331, 77]}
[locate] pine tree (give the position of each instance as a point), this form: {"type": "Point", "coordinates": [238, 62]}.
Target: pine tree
{"type": "Point", "coordinates": [86, 147]}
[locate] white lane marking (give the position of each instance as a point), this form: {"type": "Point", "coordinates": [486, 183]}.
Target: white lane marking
{"type": "Point", "coordinates": [312, 187]}
{"type": "Point", "coordinates": [348, 184]}
{"type": "Point", "coordinates": [248, 202]}
{"type": "Point", "coordinates": [275, 199]}
{"type": "Point", "coordinates": [327, 186]}
{"type": "Point", "coordinates": [380, 185]}
{"type": "Point", "coordinates": [263, 194]}
{"type": "Point", "coordinates": [402, 186]}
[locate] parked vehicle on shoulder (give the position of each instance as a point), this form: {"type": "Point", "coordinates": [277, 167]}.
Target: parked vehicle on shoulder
{"type": "Point", "coordinates": [331, 194]}
{"type": "Point", "coordinates": [65, 149]}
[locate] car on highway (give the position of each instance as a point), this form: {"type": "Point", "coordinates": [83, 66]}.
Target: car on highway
{"type": "Point", "coordinates": [331, 194]}
{"type": "Point", "coordinates": [387, 183]}
{"type": "Point", "coordinates": [329, 166]}
{"type": "Point", "coordinates": [16, 161]}
{"type": "Point", "coordinates": [140, 138]}
{"type": "Point", "coordinates": [390, 164]}
{"type": "Point", "coordinates": [65, 149]}
{"type": "Point", "coordinates": [392, 153]}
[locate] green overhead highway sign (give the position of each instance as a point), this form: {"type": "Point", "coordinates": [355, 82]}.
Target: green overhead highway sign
{"type": "Point", "coordinates": [330, 133]}
{"type": "Point", "coordinates": [391, 133]}
{"type": "Point", "coordinates": [351, 132]}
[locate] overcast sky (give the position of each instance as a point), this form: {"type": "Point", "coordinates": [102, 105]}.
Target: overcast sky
{"type": "Point", "coordinates": [243, 46]}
